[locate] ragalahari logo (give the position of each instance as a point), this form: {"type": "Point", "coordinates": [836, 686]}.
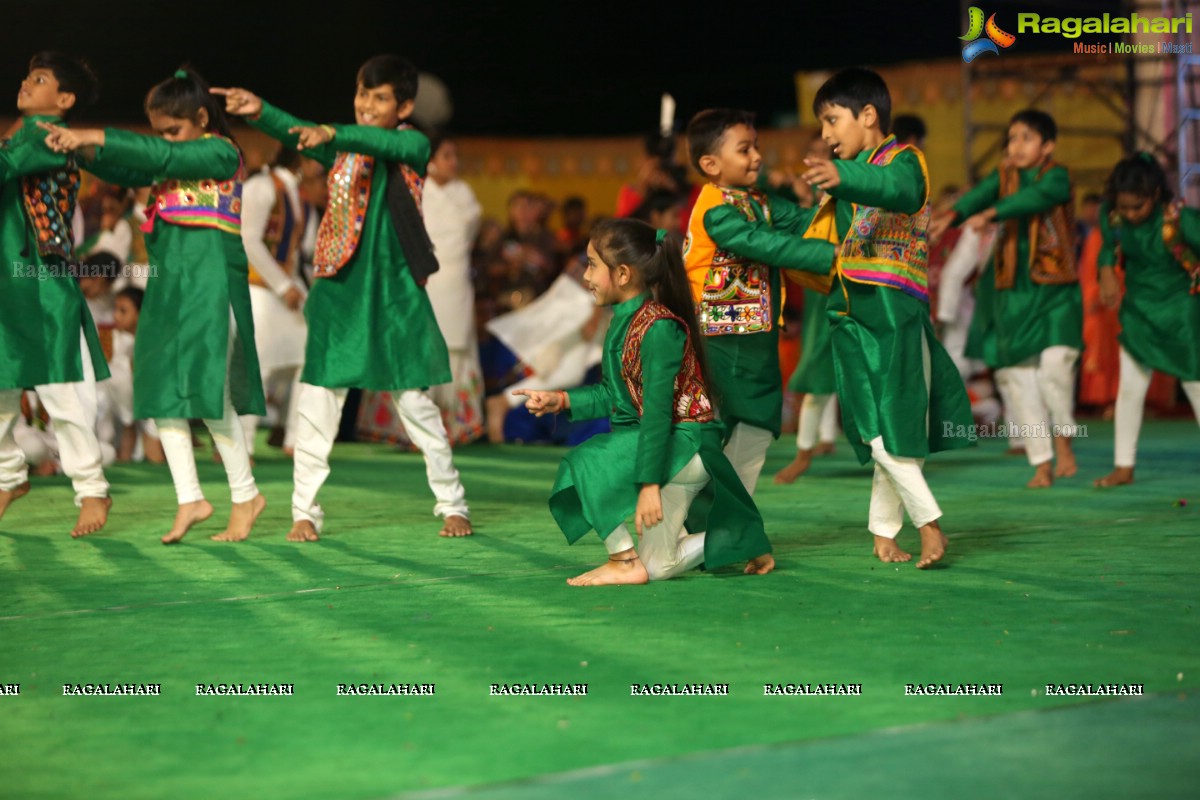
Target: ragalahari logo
{"type": "Point", "coordinates": [996, 38]}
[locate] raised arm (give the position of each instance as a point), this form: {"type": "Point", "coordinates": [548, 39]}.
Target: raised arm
{"type": "Point", "coordinates": [900, 186]}
{"type": "Point", "coordinates": [408, 146]}
{"type": "Point", "coordinates": [979, 197]}
{"type": "Point", "coordinates": [28, 154]}
{"type": "Point", "coordinates": [279, 124]}
{"type": "Point", "coordinates": [760, 242]}
{"type": "Point", "coordinates": [151, 156]}
{"type": "Point", "coordinates": [1047, 191]}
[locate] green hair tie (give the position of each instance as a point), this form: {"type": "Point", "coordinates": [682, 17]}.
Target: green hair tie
{"type": "Point", "coordinates": [181, 74]}
{"type": "Point", "coordinates": [1144, 156]}
{"type": "Point", "coordinates": [659, 235]}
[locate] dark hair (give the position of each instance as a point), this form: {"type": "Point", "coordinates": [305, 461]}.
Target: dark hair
{"type": "Point", "coordinates": [1042, 123]}
{"type": "Point", "coordinates": [660, 263]}
{"type": "Point", "coordinates": [134, 295]}
{"type": "Point", "coordinates": [1138, 174]}
{"type": "Point", "coordinates": [393, 71]}
{"type": "Point", "coordinates": [437, 139]}
{"type": "Point", "coordinates": [183, 95]}
{"type": "Point", "coordinates": [707, 129]}
{"type": "Point", "coordinates": [656, 202]}
{"type": "Point", "coordinates": [659, 146]}
{"type": "Point", "coordinates": [74, 76]}
{"type": "Point", "coordinates": [856, 88]}
{"type": "Point", "coordinates": [574, 203]}
{"type": "Point", "coordinates": [1093, 197]}
{"type": "Point", "coordinates": [909, 128]}
{"type": "Point", "coordinates": [287, 158]}
{"type": "Point", "coordinates": [100, 264]}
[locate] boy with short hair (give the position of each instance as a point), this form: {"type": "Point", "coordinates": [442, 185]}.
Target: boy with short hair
{"type": "Point", "coordinates": [370, 322]}
{"type": "Point", "coordinates": [47, 336]}
{"type": "Point", "coordinates": [735, 246]}
{"type": "Point", "coordinates": [1028, 323]}
{"type": "Point", "coordinates": [901, 395]}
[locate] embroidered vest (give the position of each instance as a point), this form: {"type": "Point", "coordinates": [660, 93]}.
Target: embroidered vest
{"type": "Point", "coordinates": [692, 403]}
{"type": "Point", "coordinates": [341, 225]}
{"type": "Point", "coordinates": [203, 203]}
{"type": "Point", "coordinates": [1172, 234]}
{"type": "Point", "coordinates": [49, 200]}
{"type": "Point", "coordinates": [885, 248]}
{"type": "Point", "coordinates": [1051, 239]}
{"type": "Point", "coordinates": [282, 235]}
{"type": "Point", "coordinates": [732, 294]}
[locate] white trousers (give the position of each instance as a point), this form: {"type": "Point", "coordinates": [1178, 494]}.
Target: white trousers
{"type": "Point", "coordinates": [72, 409]}
{"type": "Point", "coordinates": [1131, 401]}
{"type": "Point", "coordinates": [747, 451]}
{"type": "Point", "coordinates": [818, 421]}
{"type": "Point", "coordinates": [289, 411]}
{"type": "Point", "coordinates": [228, 436]}
{"type": "Point", "coordinates": [320, 412]}
{"type": "Point", "coordinates": [1041, 391]}
{"type": "Point", "coordinates": [667, 549]}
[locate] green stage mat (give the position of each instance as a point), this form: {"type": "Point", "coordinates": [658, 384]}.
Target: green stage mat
{"type": "Point", "coordinates": [1070, 585]}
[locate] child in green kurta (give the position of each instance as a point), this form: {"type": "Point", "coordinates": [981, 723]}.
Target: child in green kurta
{"type": "Point", "coordinates": [1157, 243]}
{"type": "Point", "coordinates": [370, 322]}
{"type": "Point", "coordinates": [663, 462]}
{"type": "Point", "coordinates": [47, 338]}
{"type": "Point", "coordinates": [195, 339]}
{"type": "Point", "coordinates": [1028, 323]}
{"type": "Point", "coordinates": [738, 297]}
{"type": "Point", "coordinates": [901, 395]}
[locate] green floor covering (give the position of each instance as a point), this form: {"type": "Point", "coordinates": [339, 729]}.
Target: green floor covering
{"type": "Point", "coordinates": [1067, 585]}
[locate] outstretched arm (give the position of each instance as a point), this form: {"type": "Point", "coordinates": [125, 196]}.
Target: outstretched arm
{"type": "Point", "coordinates": [899, 186]}
{"type": "Point", "coordinates": [760, 242]}
{"type": "Point", "coordinates": [275, 122]}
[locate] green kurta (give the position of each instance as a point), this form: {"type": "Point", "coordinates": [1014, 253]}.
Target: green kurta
{"type": "Point", "coordinates": [814, 374]}
{"type": "Point", "coordinates": [198, 274]}
{"type": "Point", "coordinates": [1012, 325]}
{"type": "Point", "coordinates": [1160, 320]}
{"type": "Point", "coordinates": [744, 368]}
{"type": "Point", "coordinates": [598, 481]}
{"type": "Point", "coordinates": [42, 310]}
{"type": "Point", "coordinates": [370, 326]}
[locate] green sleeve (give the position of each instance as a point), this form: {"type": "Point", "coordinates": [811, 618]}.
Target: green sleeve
{"type": "Point", "coordinates": [28, 155]}
{"type": "Point", "coordinates": [789, 217]}
{"type": "Point", "coordinates": [408, 146]}
{"type": "Point", "coordinates": [785, 192]}
{"type": "Point", "coordinates": [1189, 226]}
{"type": "Point", "coordinates": [662, 356]}
{"type": "Point", "coordinates": [898, 186]}
{"type": "Point", "coordinates": [1108, 242]}
{"type": "Point", "coordinates": [979, 197]}
{"type": "Point", "coordinates": [590, 402]}
{"type": "Point", "coordinates": [758, 241]}
{"type": "Point", "coordinates": [1049, 190]}
{"type": "Point", "coordinates": [153, 156]}
{"type": "Point", "coordinates": [275, 122]}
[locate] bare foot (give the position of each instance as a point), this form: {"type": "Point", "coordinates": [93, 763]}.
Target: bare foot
{"type": "Point", "coordinates": [1120, 476]}
{"type": "Point", "coordinates": [241, 520]}
{"type": "Point", "coordinates": [798, 467]}
{"type": "Point", "coordinates": [933, 545]}
{"type": "Point", "coordinates": [93, 513]}
{"type": "Point", "coordinates": [189, 514]}
{"type": "Point", "coordinates": [760, 566]}
{"type": "Point", "coordinates": [303, 531]}
{"type": "Point", "coordinates": [889, 552]}
{"type": "Point", "coordinates": [825, 449]}
{"type": "Point", "coordinates": [456, 525]}
{"type": "Point", "coordinates": [1015, 451]}
{"type": "Point", "coordinates": [1043, 477]}
{"type": "Point", "coordinates": [10, 496]}
{"type": "Point", "coordinates": [1064, 457]}
{"type": "Point", "coordinates": [623, 572]}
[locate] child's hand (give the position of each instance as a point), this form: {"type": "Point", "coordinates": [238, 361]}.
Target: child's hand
{"type": "Point", "coordinates": [1110, 287]}
{"type": "Point", "coordinates": [980, 221]}
{"type": "Point", "coordinates": [312, 135]}
{"type": "Point", "coordinates": [293, 298]}
{"type": "Point", "coordinates": [649, 507]}
{"type": "Point", "coordinates": [240, 102]}
{"type": "Point", "coordinates": [940, 224]}
{"type": "Point", "coordinates": [822, 173]}
{"type": "Point", "coordinates": [543, 403]}
{"type": "Point", "coordinates": [66, 140]}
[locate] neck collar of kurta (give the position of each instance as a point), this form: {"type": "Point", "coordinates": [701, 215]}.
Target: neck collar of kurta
{"type": "Point", "coordinates": [733, 189]}
{"type": "Point", "coordinates": [629, 307]}
{"type": "Point", "coordinates": [887, 142]}
{"type": "Point", "coordinates": [34, 119]}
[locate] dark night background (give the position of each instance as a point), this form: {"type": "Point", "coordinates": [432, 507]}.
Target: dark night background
{"type": "Point", "coordinates": [541, 69]}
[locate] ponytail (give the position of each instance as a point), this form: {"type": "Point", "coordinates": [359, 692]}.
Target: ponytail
{"type": "Point", "coordinates": [183, 95]}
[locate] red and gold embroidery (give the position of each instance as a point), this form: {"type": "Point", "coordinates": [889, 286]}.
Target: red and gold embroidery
{"type": "Point", "coordinates": [692, 403]}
